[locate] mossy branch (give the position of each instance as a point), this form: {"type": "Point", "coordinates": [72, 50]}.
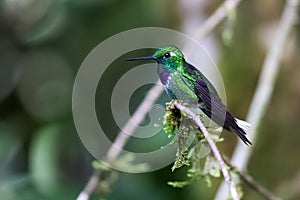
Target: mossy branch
{"type": "Point", "coordinates": [232, 174]}
{"type": "Point", "coordinates": [227, 177]}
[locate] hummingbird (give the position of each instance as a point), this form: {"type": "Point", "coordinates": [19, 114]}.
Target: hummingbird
{"type": "Point", "coordinates": [182, 81]}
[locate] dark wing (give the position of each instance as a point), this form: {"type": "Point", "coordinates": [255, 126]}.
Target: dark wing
{"type": "Point", "coordinates": [210, 103]}
{"type": "Point", "coordinates": [193, 74]}
{"type": "Point", "coordinates": [207, 94]}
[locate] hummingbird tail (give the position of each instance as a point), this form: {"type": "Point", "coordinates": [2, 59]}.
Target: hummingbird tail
{"type": "Point", "coordinates": [241, 130]}
{"type": "Point", "coordinates": [243, 124]}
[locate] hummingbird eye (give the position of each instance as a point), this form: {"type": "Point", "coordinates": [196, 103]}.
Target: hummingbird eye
{"type": "Point", "coordinates": [167, 55]}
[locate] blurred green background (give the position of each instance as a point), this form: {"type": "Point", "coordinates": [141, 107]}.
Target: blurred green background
{"type": "Point", "coordinates": [42, 44]}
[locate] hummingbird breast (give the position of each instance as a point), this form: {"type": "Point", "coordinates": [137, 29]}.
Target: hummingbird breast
{"type": "Point", "coordinates": [178, 89]}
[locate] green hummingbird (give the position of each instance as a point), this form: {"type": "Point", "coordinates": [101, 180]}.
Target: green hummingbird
{"type": "Point", "coordinates": [183, 81]}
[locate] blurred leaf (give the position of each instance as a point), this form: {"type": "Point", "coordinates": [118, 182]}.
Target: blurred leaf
{"type": "Point", "coordinates": [126, 162]}
{"type": "Point", "coordinates": [178, 184]}
{"type": "Point", "coordinates": [9, 70]}
{"type": "Point", "coordinates": [49, 27]}
{"type": "Point", "coordinates": [18, 187]}
{"type": "Point", "coordinates": [227, 34]}
{"type": "Point", "coordinates": [43, 160]}
{"type": "Point", "coordinates": [212, 167]}
{"type": "Point", "coordinates": [45, 85]}
{"type": "Point", "coordinates": [99, 165]}
{"type": "Point", "coordinates": [55, 161]}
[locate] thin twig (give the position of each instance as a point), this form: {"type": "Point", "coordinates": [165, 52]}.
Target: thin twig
{"type": "Point", "coordinates": [217, 17]}
{"type": "Point", "coordinates": [153, 94]}
{"type": "Point", "coordinates": [137, 117]}
{"type": "Point", "coordinates": [265, 88]}
{"type": "Point", "coordinates": [249, 180]}
{"type": "Point", "coordinates": [214, 149]}
{"type": "Point", "coordinates": [256, 186]}
{"type": "Point", "coordinates": [90, 186]}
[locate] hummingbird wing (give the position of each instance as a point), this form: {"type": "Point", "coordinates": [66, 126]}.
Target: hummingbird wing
{"type": "Point", "coordinates": [210, 102]}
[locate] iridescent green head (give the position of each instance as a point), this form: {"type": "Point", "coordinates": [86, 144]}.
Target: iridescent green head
{"type": "Point", "coordinates": [170, 56]}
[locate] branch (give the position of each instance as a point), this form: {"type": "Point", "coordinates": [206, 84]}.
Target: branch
{"type": "Point", "coordinates": [213, 147]}
{"type": "Point", "coordinates": [249, 180]}
{"type": "Point", "coordinates": [217, 17]}
{"type": "Point", "coordinates": [137, 117]}
{"type": "Point", "coordinates": [256, 186]}
{"type": "Point", "coordinates": [265, 87]}
{"type": "Point", "coordinates": [223, 161]}
{"type": "Point", "coordinates": [90, 186]}
{"type": "Point", "coordinates": [153, 94]}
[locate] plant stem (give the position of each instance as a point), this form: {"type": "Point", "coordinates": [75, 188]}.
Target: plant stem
{"type": "Point", "coordinates": [264, 89]}
{"type": "Point", "coordinates": [213, 147]}
{"type": "Point", "coordinates": [218, 16]}
{"type": "Point", "coordinates": [249, 180]}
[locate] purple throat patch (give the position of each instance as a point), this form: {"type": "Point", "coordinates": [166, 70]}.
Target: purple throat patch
{"type": "Point", "coordinates": [164, 77]}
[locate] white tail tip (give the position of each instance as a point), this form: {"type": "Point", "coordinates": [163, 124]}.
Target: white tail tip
{"type": "Point", "coordinates": [243, 124]}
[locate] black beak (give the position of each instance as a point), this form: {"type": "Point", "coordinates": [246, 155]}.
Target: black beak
{"type": "Point", "coordinates": [141, 58]}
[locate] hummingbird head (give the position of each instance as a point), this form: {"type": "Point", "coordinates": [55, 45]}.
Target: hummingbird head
{"type": "Point", "coordinates": [170, 56]}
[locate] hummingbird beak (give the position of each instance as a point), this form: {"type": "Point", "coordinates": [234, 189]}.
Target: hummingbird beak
{"type": "Point", "coordinates": [142, 58]}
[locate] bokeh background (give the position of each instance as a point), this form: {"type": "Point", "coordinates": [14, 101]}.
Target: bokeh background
{"type": "Point", "coordinates": [42, 45]}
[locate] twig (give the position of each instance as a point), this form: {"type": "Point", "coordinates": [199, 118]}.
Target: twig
{"type": "Point", "coordinates": [218, 16]}
{"type": "Point", "coordinates": [90, 186]}
{"type": "Point", "coordinates": [137, 117]}
{"type": "Point", "coordinates": [248, 179]}
{"type": "Point", "coordinates": [213, 147]}
{"type": "Point", "coordinates": [121, 139]}
{"type": "Point", "coordinates": [153, 95]}
{"type": "Point", "coordinates": [265, 87]}
{"type": "Point", "coordinates": [256, 186]}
